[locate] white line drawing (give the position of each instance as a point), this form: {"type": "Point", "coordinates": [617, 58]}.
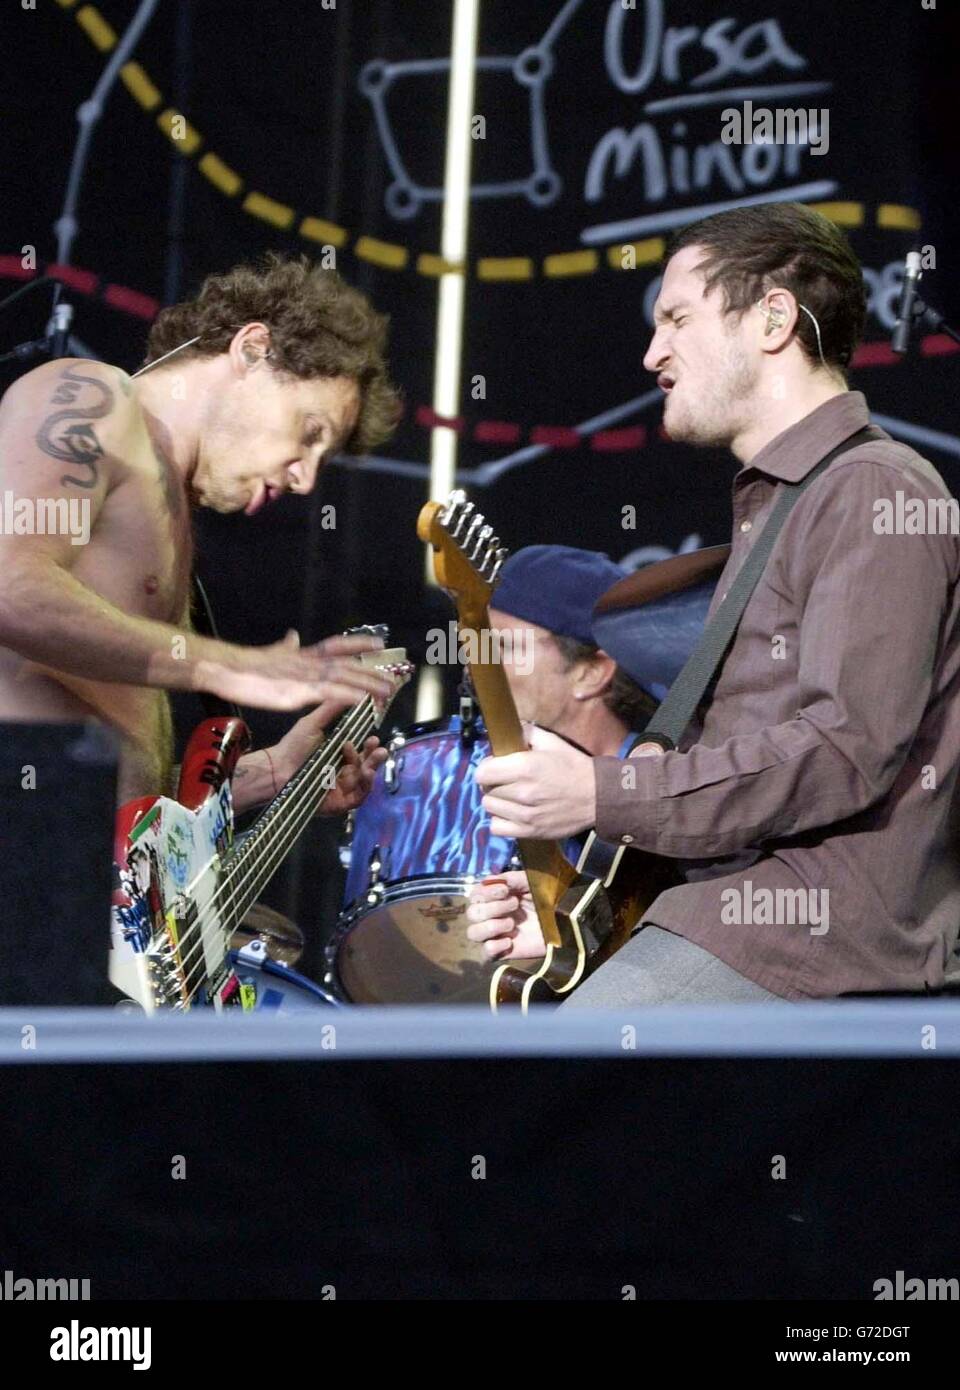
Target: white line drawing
{"type": "Point", "coordinates": [918, 434]}
{"type": "Point", "coordinates": [662, 221]}
{"type": "Point", "coordinates": [690, 99]}
{"type": "Point", "coordinates": [532, 68]}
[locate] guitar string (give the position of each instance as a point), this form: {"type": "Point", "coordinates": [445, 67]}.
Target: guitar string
{"type": "Point", "coordinates": [348, 729]}
{"type": "Point", "coordinates": [276, 842]}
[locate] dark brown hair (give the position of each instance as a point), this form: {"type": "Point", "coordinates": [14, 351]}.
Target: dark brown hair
{"type": "Point", "coordinates": [623, 697]}
{"type": "Point", "coordinates": [751, 250]}
{"type": "Point", "coordinates": [319, 327]}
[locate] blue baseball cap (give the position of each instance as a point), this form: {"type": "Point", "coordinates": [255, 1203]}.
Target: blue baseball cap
{"type": "Point", "coordinates": [556, 587]}
{"type": "Point", "coordinates": [651, 621]}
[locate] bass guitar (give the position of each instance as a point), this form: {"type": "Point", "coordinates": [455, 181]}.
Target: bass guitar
{"type": "Point", "coordinates": [182, 887]}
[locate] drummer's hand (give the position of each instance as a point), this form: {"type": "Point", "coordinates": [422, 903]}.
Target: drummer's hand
{"type": "Point", "coordinates": [355, 778]}
{"type": "Point", "coordinates": [259, 776]}
{"type": "Point", "coordinates": [501, 915]}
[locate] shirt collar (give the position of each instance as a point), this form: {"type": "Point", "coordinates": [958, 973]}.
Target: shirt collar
{"type": "Point", "coordinates": [791, 455]}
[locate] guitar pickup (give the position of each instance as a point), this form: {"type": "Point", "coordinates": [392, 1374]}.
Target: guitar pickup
{"type": "Point", "coordinates": [590, 913]}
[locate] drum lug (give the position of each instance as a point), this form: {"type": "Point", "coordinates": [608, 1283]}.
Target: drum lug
{"type": "Point", "coordinates": [345, 846]}
{"type": "Point", "coordinates": [394, 765]}
{"type": "Point", "coordinates": [378, 868]}
{"type": "Point", "coordinates": [468, 720]}
{"type": "Point", "coordinates": [254, 953]}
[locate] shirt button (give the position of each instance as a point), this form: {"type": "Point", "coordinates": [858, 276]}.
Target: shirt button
{"type": "Point", "coordinates": [746, 526]}
{"type": "Point", "coordinates": [626, 839]}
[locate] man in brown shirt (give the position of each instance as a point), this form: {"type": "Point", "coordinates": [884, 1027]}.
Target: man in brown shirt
{"type": "Point", "coordinates": [813, 814]}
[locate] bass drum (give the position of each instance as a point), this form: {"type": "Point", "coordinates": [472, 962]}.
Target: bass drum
{"type": "Point", "coordinates": [274, 987]}
{"type": "Point", "coordinates": [407, 944]}
{"type": "Point", "coordinates": [421, 839]}
{"type": "Point", "coordinates": [423, 815]}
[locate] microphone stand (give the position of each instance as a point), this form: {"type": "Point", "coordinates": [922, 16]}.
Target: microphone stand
{"type": "Point", "coordinates": [925, 317]}
{"type": "Point", "coordinates": [35, 347]}
{"type": "Point", "coordinates": [58, 341]}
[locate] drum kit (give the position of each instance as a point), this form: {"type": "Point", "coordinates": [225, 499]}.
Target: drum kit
{"type": "Point", "coordinates": [415, 847]}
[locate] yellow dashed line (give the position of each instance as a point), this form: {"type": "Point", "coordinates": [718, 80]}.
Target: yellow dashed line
{"type": "Point", "coordinates": [388, 254]}
{"type": "Point", "coordinates": [279, 214]}
{"type": "Point", "coordinates": [140, 87]}
{"type": "Point", "coordinates": [179, 131]}
{"type": "Point", "coordinates": [221, 175]}
{"type": "Point", "coordinates": [647, 252]}
{"type": "Point", "coordinates": [505, 268]}
{"type": "Point", "coordinates": [843, 214]}
{"type": "Point", "coordinates": [96, 28]}
{"type": "Point", "coordinates": [383, 253]}
{"type": "Point", "coordinates": [897, 216]}
{"type": "Point", "coordinates": [430, 264]}
{"type": "Point", "coordinates": [571, 263]}
{"type": "Point", "coordinates": [316, 229]}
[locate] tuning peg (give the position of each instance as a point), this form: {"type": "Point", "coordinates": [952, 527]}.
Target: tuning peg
{"type": "Point", "coordinates": [476, 525]}
{"type": "Point", "coordinates": [498, 564]}
{"type": "Point", "coordinates": [489, 556]}
{"type": "Point", "coordinates": [456, 499]}
{"type": "Point", "coordinates": [481, 543]}
{"type": "Point", "coordinates": [461, 522]}
{"type": "Point", "coordinates": [370, 630]}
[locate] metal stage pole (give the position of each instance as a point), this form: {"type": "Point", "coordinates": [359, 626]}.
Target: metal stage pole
{"type": "Point", "coordinates": [452, 288]}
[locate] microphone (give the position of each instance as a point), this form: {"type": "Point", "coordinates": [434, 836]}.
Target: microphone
{"type": "Point", "coordinates": [900, 340]}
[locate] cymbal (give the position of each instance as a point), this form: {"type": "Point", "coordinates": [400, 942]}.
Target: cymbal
{"type": "Point", "coordinates": [282, 938]}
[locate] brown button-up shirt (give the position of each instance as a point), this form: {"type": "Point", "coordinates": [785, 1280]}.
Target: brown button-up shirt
{"type": "Point", "coordinates": [815, 811]}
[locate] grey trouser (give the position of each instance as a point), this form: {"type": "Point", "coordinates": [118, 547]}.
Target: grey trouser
{"type": "Point", "coordinates": [657, 967]}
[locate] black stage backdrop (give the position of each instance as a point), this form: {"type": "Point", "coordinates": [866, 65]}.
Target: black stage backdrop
{"type": "Point", "coordinates": [600, 125]}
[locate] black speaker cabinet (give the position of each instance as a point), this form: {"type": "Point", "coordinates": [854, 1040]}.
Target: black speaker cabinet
{"type": "Point", "coordinates": [57, 805]}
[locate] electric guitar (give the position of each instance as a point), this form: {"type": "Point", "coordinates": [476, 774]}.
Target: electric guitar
{"type": "Point", "coordinates": [182, 887]}
{"type": "Point", "coordinates": [584, 919]}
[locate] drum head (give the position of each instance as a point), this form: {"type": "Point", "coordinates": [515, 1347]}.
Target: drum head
{"type": "Point", "coordinates": [412, 948]}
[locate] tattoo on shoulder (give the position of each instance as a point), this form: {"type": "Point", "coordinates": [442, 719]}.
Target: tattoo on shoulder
{"type": "Point", "coordinates": [69, 434]}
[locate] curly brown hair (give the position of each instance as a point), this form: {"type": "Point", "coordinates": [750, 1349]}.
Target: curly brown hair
{"type": "Point", "coordinates": [319, 327]}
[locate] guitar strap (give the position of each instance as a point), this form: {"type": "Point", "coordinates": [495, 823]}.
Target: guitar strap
{"type": "Point", "coordinates": [681, 700]}
{"type": "Point", "coordinates": [205, 624]}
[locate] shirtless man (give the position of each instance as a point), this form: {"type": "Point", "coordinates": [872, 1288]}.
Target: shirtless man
{"type": "Point", "coordinates": [285, 369]}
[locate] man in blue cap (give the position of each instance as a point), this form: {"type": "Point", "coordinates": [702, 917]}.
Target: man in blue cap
{"type": "Point", "coordinates": [561, 680]}
{"type": "Point", "coordinates": [543, 612]}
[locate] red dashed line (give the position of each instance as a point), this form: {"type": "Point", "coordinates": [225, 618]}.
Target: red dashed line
{"type": "Point", "coordinates": [83, 281]}
{"type": "Point", "coordinates": [619, 441]}
{"type": "Point", "coordinates": [556, 436]}
{"type": "Point", "coordinates": [502, 432]}
{"type": "Point", "coordinates": [429, 419]}
{"type": "Point", "coordinates": [496, 432]}
{"type": "Point", "coordinates": [12, 269]}
{"type": "Point", "coordinates": [140, 306]}
{"type": "Point", "coordinates": [937, 344]}
{"type": "Point", "coordinates": [875, 355]}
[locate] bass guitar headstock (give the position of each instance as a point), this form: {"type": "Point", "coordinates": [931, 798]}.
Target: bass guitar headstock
{"type": "Point", "coordinates": [467, 556]}
{"type": "Point", "coordinates": [390, 661]}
